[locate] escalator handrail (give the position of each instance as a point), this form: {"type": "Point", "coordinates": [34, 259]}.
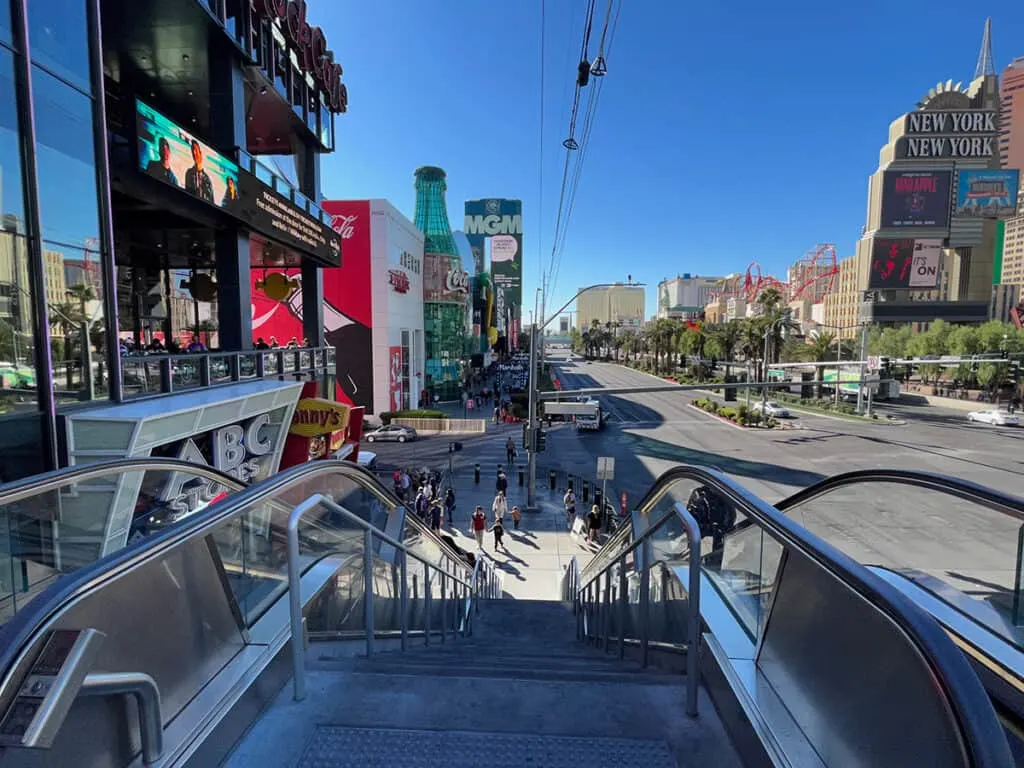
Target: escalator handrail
{"type": "Point", "coordinates": [1007, 504]}
{"type": "Point", "coordinates": [21, 631]}
{"type": "Point", "coordinates": [965, 694]}
{"type": "Point", "coordinates": [36, 485]}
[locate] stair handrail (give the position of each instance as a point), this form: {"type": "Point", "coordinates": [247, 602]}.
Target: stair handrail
{"type": "Point", "coordinates": [643, 543]}
{"type": "Point", "coordinates": [298, 645]}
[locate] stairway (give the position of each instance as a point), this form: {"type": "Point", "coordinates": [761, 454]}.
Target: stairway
{"type": "Point", "coordinates": [520, 692]}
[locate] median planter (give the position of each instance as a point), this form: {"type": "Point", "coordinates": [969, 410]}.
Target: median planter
{"type": "Point", "coordinates": [739, 416]}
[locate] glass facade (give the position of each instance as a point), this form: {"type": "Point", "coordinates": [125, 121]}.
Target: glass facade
{"type": "Point", "coordinates": [446, 311]}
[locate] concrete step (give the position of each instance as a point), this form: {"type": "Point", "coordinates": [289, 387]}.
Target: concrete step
{"type": "Point", "coordinates": [496, 659]}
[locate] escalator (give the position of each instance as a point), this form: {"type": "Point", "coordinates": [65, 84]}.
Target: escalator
{"type": "Point", "coordinates": [810, 658]}
{"type": "Point", "coordinates": [953, 547]}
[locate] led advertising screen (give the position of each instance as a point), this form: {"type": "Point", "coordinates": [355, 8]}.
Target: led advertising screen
{"type": "Point", "coordinates": [987, 194]}
{"type": "Point", "coordinates": [913, 199]}
{"type": "Point", "coordinates": [169, 153]}
{"type": "Point", "coordinates": [891, 263]}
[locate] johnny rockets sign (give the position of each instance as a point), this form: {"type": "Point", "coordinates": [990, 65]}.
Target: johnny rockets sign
{"type": "Point", "coordinates": [315, 416]}
{"type": "Point", "coordinates": [315, 58]}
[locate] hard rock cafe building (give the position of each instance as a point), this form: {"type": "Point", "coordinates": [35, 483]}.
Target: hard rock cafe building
{"type": "Point", "coordinates": [155, 155]}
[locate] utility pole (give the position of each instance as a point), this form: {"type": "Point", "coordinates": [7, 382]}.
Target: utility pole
{"type": "Point", "coordinates": [863, 354]}
{"type": "Point", "coordinates": [531, 423]}
{"type": "Point", "coordinates": [764, 388]}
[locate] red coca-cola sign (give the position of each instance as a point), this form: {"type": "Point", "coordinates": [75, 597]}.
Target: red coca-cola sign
{"type": "Point", "coordinates": [398, 280]}
{"type": "Point", "coordinates": [311, 45]}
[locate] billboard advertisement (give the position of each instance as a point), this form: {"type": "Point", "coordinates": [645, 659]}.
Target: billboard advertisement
{"type": "Point", "coordinates": [891, 262]}
{"type": "Point", "coordinates": [924, 269]}
{"type": "Point", "coordinates": [395, 378]}
{"type": "Point", "coordinates": [347, 305]}
{"type": "Point", "coordinates": [916, 199]}
{"type": "Point", "coordinates": [443, 280]}
{"type": "Point", "coordinates": [987, 194]}
{"type": "Point", "coordinates": [172, 155]}
{"type": "Point", "coordinates": [501, 222]}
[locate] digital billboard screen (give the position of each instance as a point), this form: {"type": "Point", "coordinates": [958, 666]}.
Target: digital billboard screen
{"type": "Point", "coordinates": [987, 194]}
{"type": "Point", "coordinates": [916, 199]}
{"type": "Point", "coordinates": [891, 263]}
{"type": "Point", "coordinates": [172, 155]}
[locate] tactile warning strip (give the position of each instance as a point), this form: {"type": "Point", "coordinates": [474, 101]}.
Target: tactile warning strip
{"type": "Point", "coordinates": [338, 747]}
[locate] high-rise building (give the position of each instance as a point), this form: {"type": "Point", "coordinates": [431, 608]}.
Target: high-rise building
{"type": "Point", "coordinates": [684, 297]}
{"type": "Point", "coordinates": [445, 288]}
{"type": "Point", "coordinates": [1011, 115]}
{"type": "Point", "coordinates": [842, 303]}
{"type": "Point", "coordinates": [619, 304]}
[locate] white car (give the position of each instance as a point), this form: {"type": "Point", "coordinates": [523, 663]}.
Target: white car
{"type": "Point", "coordinates": [771, 409]}
{"type": "Point", "coordinates": [995, 418]}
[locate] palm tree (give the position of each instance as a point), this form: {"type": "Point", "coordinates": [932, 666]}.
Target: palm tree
{"type": "Point", "coordinates": [820, 350]}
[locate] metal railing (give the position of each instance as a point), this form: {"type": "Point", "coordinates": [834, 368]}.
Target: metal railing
{"type": "Point", "coordinates": [460, 589]}
{"type": "Point", "coordinates": [592, 601]}
{"type": "Point", "coordinates": [160, 374]}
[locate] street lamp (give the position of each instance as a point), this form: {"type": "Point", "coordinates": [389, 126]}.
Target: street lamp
{"type": "Point", "coordinates": [535, 331]}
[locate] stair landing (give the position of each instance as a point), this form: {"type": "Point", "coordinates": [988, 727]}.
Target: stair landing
{"type": "Point", "coordinates": [520, 692]}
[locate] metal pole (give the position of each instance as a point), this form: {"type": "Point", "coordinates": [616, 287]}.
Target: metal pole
{"type": "Point", "coordinates": [368, 589]}
{"type": "Point", "coordinates": [764, 389]}
{"type": "Point", "coordinates": [403, 598]}
{"type": "Point", "coordinates": [645, 600]}
{"type": "Point", "coordinates": [623, 606]}
{"type": "Point", "coordinates": [146, 693]}
{"type": "Point", "coordinates": [427, 586]}
{"type": "Point", "coordinates": [531, 419]}
{"type": "Point", "coordinates": [692, 652]}
{"type": "Point", "coordinates": [444, 607]}
{"type": "Point", "coordinates": [863, 353]}
{"type": "Point", "coordinates": [606, 620]}
{"type": "Point", "coordinates": [748, 384]}
{"type": "Point", "coordinates": [839, 368]}
{"type": "Point", "coordinates": [295, 597]}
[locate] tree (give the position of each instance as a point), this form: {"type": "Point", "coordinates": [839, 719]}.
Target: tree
{"type": "Point", "coordinates": [821, 349]}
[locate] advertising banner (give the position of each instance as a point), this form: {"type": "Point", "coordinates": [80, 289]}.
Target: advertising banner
{"type": "Point", "coordinates": [443, 281]}
{"type": "Point", "coordinates": [169, 153]}
{"type": "Point", "coordinates": [891, 262]}
{"type": "Point", "coordinates": [347, 305]}
{"type": "Point", "coordinates": [916, 199]}
{"type": "Point", "coordinates": [502, 221]}
{"type": "Point", "coordinates": [924, 270]}
{"type": "Point", "coordinates": [987, 194]}
{"type": "Point", "coordinates": [395, 377]}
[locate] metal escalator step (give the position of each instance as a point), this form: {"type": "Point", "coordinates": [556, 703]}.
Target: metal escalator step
{"type": "Point", "coordinates": [339, 747]}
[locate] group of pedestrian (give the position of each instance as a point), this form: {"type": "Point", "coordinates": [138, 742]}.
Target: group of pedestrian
{"type": "Point", "coordinates": [433, 507]}
{"type": "Point", "coordinates": [593, 517]}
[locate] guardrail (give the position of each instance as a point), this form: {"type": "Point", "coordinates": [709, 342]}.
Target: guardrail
{"type": "Point", "coordinates": [150, 375]}
{"type": "Point", "coordinates": [444, 426]}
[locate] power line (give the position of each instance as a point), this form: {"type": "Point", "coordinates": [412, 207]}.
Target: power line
{"type": "Point", "coordinates": [540, 201]}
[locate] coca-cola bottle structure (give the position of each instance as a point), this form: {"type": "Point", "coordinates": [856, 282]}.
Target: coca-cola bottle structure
{"type": "Point", "coordinates": [446, 297]}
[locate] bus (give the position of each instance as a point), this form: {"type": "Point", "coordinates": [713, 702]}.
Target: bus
{"type": "Point", "coordinates": [849, 384]}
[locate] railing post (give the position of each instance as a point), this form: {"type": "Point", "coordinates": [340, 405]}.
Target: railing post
{"type": "Point", "coordinates": [403, 598]}
{"type": "Point", "coordinates": [427, 587]}
{"type": "Point", "coordinates": [693, 651]}
{"type": "Point", "coordinates": [444, 606]}
{"type": "Point", "coordinates": [623, 606]}
{"type": "Point", "coordinates": [295, 597]}
{"type": "Point", "coordinates": [606, 619]}
{"type": "Point", "coordinates": [368, 588]}
{"type": "Point", "coordinates": [645, 600]}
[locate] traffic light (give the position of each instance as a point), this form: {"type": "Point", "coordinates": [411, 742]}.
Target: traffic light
{"type": "Point", "coordinates": [542, 439]}
{"type": "Point", "coordinates": [526, 436]}
{"type": "Point", "coordinates": [454, 447]}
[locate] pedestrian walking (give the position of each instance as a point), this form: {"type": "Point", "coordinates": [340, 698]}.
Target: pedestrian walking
{"type": "Point", "coordinates": [422, 503]}
{"type": "Point", "coordinates": [449, 506]}
{"type": "Point", "coordinates": [499, 532]}
{"type": "Point", "coordinates": [499, 506]}
{"type": "Point", "coordinates": [479, 525]}
{"type": "Point", "coordinates": [593, 524]}
{"type": "Point", "coordinates": [501, 483]}
{"type": "Point", "coordinates": [435, 515]}
{"type": "Point", "coordinates": [515, 517]}
{"type": "Point", "coordinates": [569, 500]}
{"type": "Point", "coordinates": [510, 451]}
{"type": "Point", "coordinates": [406, 483]}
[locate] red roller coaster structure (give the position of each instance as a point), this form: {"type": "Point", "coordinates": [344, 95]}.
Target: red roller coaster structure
{"type": "Point", "coordinates": [811, 278]}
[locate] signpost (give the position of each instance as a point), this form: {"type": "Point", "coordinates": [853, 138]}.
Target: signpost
{"type": "Point", "coordinates": [874, 363]}
{"type": "Point", "coordinates": [605, 472]}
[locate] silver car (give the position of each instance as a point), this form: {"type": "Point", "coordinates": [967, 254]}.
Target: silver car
{"type": "Point", "coordinates": [393, 432]}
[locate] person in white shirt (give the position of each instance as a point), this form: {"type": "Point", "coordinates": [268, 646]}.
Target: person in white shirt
{"type": "Point", "coordinates": [500, 506]}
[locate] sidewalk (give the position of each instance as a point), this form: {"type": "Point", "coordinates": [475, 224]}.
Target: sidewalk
{"type": "Point", "coordinates": [539, 552]}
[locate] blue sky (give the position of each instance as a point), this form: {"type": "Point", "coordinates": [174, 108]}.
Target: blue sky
{"type": "Point", "coordinates": [725, 133]}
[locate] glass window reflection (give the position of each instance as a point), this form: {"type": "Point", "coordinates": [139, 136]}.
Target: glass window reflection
{"type": "Point", "coordinates": [59, 38]}
{"type": "Point", "coordinates": [66, 162]}
{"type": "Point", "coordinates": [74, 294]}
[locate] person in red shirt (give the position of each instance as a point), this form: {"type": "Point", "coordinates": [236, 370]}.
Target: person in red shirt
{"type": "Point", "coordinates": [479, 526]}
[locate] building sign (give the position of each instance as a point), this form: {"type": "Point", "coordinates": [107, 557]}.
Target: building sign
{"type": "Point", "coordinates": [891, 262]}
{"type": "Point", "coordinates": [398, 280]}
{"type": "Point", "coordinates": [345, 226]}
{"type": "Point", "coordinates": [243, 451]}
{"type": "Point", "coordinates": [315, 416]}
{"type": "Point", "coordinates": [314, 57]}
{"type": "Point", "coordinates": [501, 221]}
{"type": "Point", "coordinates": [410, 262]}
{"type": "Point", "coordinates": [172, 155]}
{"type": "Point", "coordinates": [916, 199]}
{"type": "Point", "coordinates": [987, 194]}
{"type": "Point", "coordinates": [933, 133]}
{"type": "Point", "coordinates": [924, 270]}
{"type": "Point", "coordinates": [457, 281]}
